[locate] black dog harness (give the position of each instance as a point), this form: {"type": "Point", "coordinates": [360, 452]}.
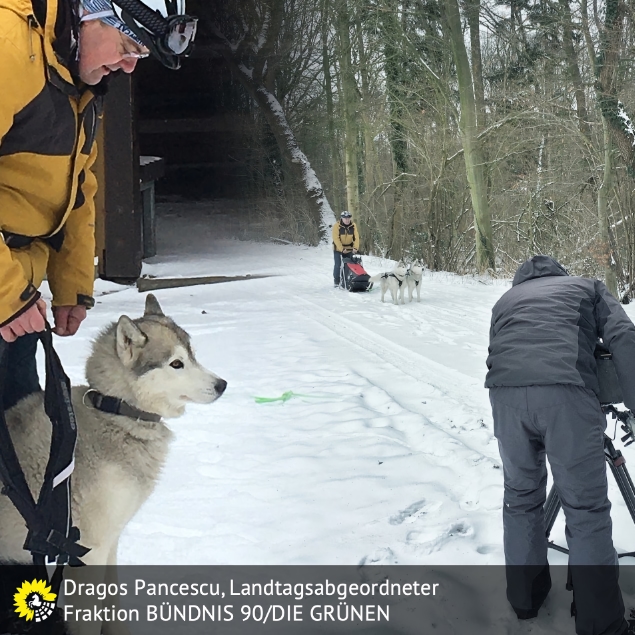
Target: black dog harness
{"type": "Point", "coordinates": [389, 275]}
{"type": "Point", "coordinates": [51, 536]}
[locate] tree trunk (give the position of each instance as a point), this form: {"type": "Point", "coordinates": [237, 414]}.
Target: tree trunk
{"type": "Point", "coordinates": [604, 68]}
{"type": "Point", "coordinates": [371, 162]}
{"type": "Point", "coordinates": [472, 151]}
{"type": "Point", "coordinates": [604, 193]}
{"type": "Point", "coordinates": [392, 33]}
{"type": "Point", "coordinates": [473, 17]}
{"type": "Point", "coordinates": [613, 111]}
{"type": "Point", "coordinates": [349, 97]}
{"type": "Point", "coordinates": [536, 206]}
{"type": "Point", "coordinates": [330, 112]}
{"type": "Point", "coordinates": [574, 70]}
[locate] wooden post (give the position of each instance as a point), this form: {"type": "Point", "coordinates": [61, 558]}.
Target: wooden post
{"type": "Point", "coordinates": [120, 245]}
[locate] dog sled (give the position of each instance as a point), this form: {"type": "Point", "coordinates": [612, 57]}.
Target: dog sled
{"type": "Point", "coordinates": [353, 276]}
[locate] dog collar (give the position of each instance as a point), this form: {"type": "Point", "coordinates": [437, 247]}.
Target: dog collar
{"type": "Point", "coordinates": [115, 406]}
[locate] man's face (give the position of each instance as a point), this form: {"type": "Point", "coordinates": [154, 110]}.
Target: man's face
{"type": "Point", "coordinates": [104, 49]}
{"type": "Point", "coordinates": [346, 220]}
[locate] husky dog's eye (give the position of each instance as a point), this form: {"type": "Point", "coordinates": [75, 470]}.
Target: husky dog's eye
{"type": "Point", "coordinates": [177, 364]}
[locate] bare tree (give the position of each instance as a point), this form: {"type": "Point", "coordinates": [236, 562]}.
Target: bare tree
{"type": "Point", "coordinates": [248, 37]}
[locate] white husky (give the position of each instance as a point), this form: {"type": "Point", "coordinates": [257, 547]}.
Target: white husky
{"type": "Point", "coordinates": [149, 364]}
{"type": "Point", "coordinates": [413, 279]}
{"type": "Point", "coordinates": [393, 281]}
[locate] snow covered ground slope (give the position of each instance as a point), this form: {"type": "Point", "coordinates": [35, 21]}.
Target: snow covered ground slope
{"type": "Point", "coordinates": [384, 455]}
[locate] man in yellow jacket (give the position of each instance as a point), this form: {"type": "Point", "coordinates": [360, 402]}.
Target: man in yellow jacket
{"type": "Point", "coordinates": [55, 56]}
{"type": "Point", "coordinates": [345, 241]}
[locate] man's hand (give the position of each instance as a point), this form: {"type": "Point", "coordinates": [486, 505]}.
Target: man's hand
{"type": "Point", "coordinates": [68, 319]}
{"type": "Point", "coordinates": [33, 320]}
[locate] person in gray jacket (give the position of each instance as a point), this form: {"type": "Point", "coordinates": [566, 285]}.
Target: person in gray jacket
{"type": "Point", "coordinates": [544, 395]}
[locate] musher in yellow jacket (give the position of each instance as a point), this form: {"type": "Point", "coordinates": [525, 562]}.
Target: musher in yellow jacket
{"type": "Point", "coordinates": [345, 241]}
{"type": "Point", "coordinates": [55, 56]}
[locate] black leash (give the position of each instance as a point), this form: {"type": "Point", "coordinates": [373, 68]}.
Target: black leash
{"type": "Point", "coordinates": [51, 537]}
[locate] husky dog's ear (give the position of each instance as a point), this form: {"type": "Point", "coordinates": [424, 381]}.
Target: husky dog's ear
{"type": "Point", "coordinates": [130, 340]}
{"type": "Point", "coordinates": [152, 306]}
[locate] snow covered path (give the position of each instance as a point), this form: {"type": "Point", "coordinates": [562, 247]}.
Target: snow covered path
{"type": "Point", "coordinates": [387, 454]}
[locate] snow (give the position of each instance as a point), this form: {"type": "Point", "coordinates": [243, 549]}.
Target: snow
{"type": "Point", "coordinates": [626, 121]}
{"type": "Point", "coordinates": [246, 71]}
{"type": "Point", "coordinates": [385, 455]}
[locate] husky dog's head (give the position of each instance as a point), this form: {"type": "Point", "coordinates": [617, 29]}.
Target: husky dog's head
{"type": "Point", "coordinates": [400, 268]}
{"type": "Point", "coordinates": [417, 267]}
{"type": "Point", "coordinates": [149, 363]}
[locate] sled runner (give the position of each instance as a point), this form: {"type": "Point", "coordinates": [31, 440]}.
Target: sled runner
{"type": "Point", "coordinates": [353, 276]}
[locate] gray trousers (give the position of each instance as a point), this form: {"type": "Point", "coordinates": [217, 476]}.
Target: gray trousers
{"type": "Point", "coordinates": [565, 424]}
{"type": "Point", "coordinates": [337, 265]}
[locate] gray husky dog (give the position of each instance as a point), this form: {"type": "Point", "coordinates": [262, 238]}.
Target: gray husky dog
{"type": "Point", "coordinates": [149, 364]}
{"type": "Point", "coordinates": [393, 281]}
{"type": "Point", "coordinates": [413, 279]}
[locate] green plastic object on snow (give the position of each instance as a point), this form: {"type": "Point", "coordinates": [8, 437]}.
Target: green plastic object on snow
{"type": "Point", "coordinates": [283, 398]}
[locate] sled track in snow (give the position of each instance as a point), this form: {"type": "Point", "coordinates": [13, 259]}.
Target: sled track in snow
{"type": "Point", "coordinates": [409, 363]}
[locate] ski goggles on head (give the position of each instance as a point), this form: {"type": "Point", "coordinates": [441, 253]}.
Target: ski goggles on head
{"type": "Point", "coordinates": [180, 35]}
{"type": "Point", "coordinates": [176, 40]}
{"type": "Point", "coordinates": [167, 38]}
{"type": "Point", "coordinates": [346, 215]}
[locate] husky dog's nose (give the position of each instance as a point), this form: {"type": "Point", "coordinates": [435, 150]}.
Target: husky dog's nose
{"type": "Point", "coordinates": [220, 386]}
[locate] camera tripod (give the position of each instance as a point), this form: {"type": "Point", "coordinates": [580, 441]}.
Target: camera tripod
{"type": "Point", "coordinates": [616, 462]}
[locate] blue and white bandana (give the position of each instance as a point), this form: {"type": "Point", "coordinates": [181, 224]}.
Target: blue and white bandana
{"type": "Point", "coordinates": [103, 10]}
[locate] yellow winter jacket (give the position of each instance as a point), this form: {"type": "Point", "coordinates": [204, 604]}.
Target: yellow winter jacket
{"type": "Point", "coordinates": [48, 123]}
{"type": "Point", "coordinates": [345, 236]}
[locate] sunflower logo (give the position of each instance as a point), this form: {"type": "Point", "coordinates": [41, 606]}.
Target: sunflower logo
{"type": "Point", "coordinates": [34, 601]}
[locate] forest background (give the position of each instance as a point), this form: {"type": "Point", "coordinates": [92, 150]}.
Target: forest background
{"type": "Point", "coordinates": [470, 133]}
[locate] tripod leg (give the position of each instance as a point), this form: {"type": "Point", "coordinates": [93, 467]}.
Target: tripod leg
{"type": "Point", "coordinates": [617, 463]}
{"type": "Point", "coordinates": [625, 486]}
{"type": "Point", "coordinates": [552, 507]}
